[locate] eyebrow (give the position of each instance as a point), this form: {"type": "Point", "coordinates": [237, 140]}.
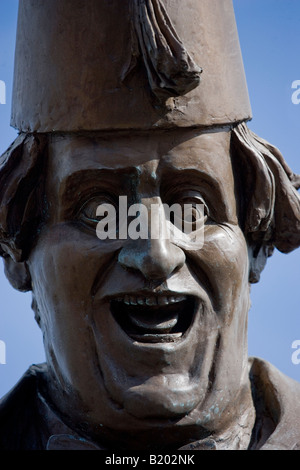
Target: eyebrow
{"type": "Point", "coordinates": [204, 181]}
{"type": "Point", "coordinates": [69, 186]}
{"type": "Point", "coordinates": [76, 186]}
{"type": "Point", "coordinates": [191, 175]}
{"type": "Point", "coordinates": [73, 187]}
{"type": "Point", "coordinates": [119, 181]}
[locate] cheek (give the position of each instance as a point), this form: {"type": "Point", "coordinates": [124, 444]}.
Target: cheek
{"type": "Point", "coordinates": [222, 266]}
{"type": "Point", "coordinates": [65, 266]}
{"type": "Point", "coordinates": [66, 261]}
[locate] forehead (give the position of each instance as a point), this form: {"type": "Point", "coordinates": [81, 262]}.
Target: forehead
{"type": "Point", "coordinates": [207, 152]}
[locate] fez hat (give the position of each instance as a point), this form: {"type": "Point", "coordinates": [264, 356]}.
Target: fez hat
{"type": "Point", "coordinates": [92, 65]}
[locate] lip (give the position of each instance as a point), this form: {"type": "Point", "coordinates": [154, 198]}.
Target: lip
{"type": "Point", "coordinates": [154, 318]}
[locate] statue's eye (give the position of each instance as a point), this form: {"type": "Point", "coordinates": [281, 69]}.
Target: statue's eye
{"type": "Point", "coordinates": [95, 209]}
{"type": "Point", "coordinates": [192, 212]}
{"type": "Point", "coordinates": [195, 214]}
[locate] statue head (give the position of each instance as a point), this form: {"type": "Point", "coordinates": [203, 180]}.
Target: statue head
{"type": "Point", "coordinates": [141, 334]}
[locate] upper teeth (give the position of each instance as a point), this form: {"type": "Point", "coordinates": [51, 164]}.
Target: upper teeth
{"type": "Point", "coordinates": [151, 300]}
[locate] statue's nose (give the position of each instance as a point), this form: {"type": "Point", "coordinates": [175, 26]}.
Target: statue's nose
{"type": "Point", "coordinates": [155, 257]}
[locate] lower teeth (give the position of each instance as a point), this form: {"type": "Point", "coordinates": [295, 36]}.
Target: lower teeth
{"type": "Point", "coordinates": [157, 338]}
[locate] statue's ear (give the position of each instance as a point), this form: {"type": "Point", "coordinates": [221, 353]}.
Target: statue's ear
{"type": "Point", "coordinates": [22, 198]}
{"type": "Point", "coordinates": [18, 274]}
{"type": "Point", "coordinates": [258, 256]}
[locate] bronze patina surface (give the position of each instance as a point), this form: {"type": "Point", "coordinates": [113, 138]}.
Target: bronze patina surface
{"type": "Point", "coordinates": [146, 337]}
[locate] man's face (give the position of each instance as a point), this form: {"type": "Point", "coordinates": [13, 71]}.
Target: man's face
{"type": "Point", "coordinates": [138, 332]}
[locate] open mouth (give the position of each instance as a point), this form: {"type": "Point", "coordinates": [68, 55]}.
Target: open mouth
{"type": "Point", "coordinates": [154, 318]}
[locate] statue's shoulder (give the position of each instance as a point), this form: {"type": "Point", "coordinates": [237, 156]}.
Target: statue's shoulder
{"type": "Point", "coordinates": [19, 415]}
{"type": "Point", "coordinates": [277, 401]}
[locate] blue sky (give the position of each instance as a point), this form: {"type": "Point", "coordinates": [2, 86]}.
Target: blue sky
{"type": "Point", "coordinates": [269, 34]}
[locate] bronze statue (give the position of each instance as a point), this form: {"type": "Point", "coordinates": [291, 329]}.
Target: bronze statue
{"type": "Point", "coordinates": [145, 338]}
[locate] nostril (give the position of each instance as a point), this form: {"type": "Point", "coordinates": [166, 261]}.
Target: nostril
{"type": "Point", "coordinates": [154, 270]}
{"type": "Point", "coordinates": [156, 261]}
{"type": "Point", "coordinates": [159, 267]}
